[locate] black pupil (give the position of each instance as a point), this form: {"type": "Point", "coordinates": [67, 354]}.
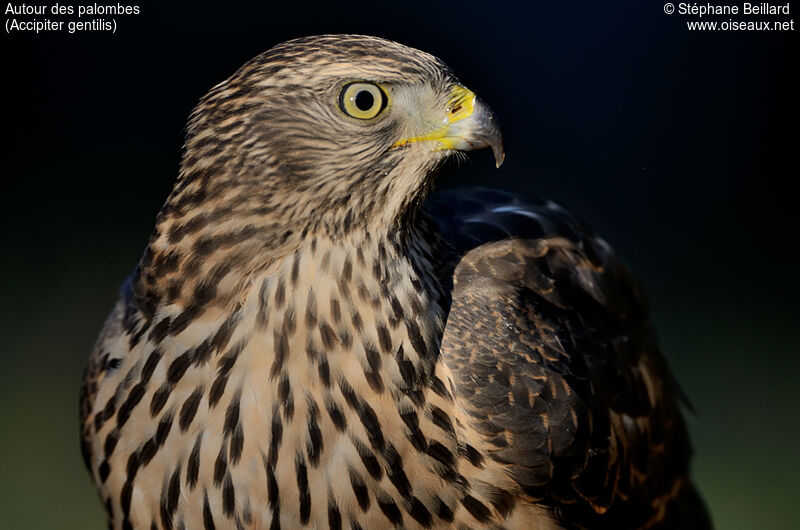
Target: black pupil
{"type": "Point", "coordinates": [364, 100]}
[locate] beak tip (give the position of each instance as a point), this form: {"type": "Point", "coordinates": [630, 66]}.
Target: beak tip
{"type": "Point", "coordinates": [498, 152]}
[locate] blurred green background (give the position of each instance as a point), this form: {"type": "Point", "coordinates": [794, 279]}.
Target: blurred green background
{"type": "Point", "coordinates": [680, 148]}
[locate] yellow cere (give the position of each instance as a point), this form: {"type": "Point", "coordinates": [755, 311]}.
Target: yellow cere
{"type": "Point", "coordinates": [461, 104]}
{"type": "Point", "coordinates": [459, 107]}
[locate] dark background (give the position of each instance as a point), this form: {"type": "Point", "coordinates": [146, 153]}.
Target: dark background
{"type": "Point", "coordinates": [679, 147]}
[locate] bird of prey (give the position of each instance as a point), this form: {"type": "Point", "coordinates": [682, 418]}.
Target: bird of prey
{"type": "Point", "coordinates": [312, 339]}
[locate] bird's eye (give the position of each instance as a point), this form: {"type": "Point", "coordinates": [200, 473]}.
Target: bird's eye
{"type": "Point", "coordinates": [362, 100]}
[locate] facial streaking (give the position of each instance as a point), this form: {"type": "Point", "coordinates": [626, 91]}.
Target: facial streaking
{"type": "Point", "coordinates": [379, 122]}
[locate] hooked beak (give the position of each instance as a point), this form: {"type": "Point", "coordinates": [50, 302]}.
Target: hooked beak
{"type": "Point", "coordinates": [468, 124]}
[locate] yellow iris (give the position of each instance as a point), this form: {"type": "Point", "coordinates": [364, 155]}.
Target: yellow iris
{"type": "Point", "coordinates": [362, 100]}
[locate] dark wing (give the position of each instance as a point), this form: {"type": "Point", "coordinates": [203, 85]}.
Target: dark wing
{"type": "Point", "coordinates": [555, 364]}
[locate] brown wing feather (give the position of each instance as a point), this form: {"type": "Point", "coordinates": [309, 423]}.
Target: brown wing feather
{"type": "Point", "coordinates": [555, 365]}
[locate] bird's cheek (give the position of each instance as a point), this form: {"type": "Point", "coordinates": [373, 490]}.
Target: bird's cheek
{"type": "Point", "coordinates": [466, 123]}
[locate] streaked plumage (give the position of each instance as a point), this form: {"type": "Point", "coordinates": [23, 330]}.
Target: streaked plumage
{"type": "Point", "coordinates": [303, 343]}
